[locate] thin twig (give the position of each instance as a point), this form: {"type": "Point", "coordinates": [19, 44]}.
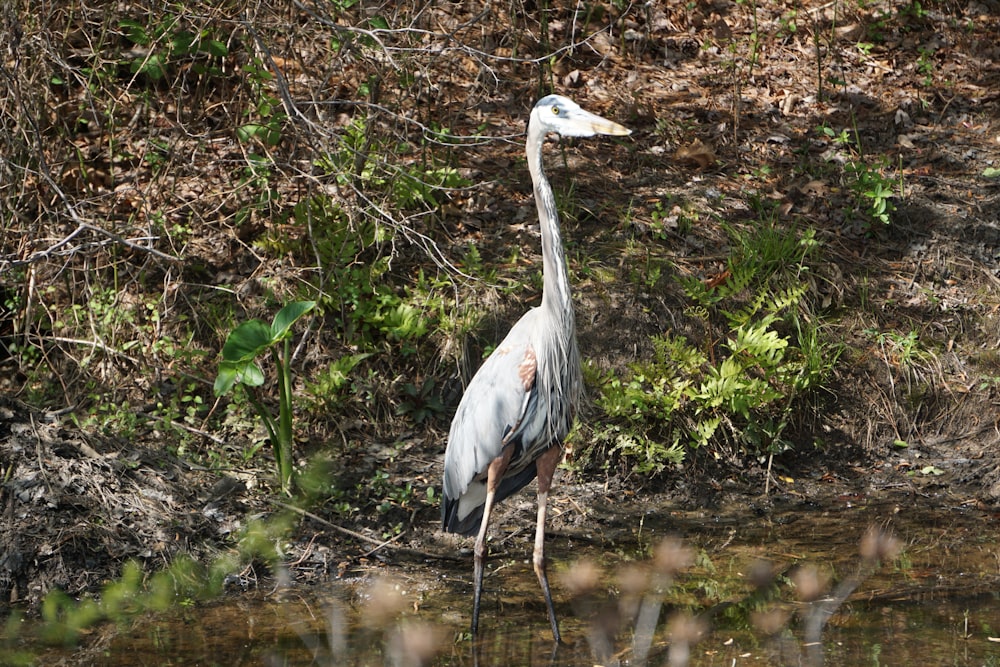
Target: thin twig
{"type": "Point", "coordinates": [379, 544]}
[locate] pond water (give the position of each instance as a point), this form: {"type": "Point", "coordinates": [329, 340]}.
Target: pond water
{"type": "Point", "coordinates": [754, 583]}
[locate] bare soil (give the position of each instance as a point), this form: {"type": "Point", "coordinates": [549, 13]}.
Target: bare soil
{"type": "Point", "coordinates": [917, 84]}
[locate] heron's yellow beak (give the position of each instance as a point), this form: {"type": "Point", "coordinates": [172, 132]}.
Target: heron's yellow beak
{"type": "Point", "coordinates": [604, 126]}
{"type": "Point", "coordinates": [590, 123]}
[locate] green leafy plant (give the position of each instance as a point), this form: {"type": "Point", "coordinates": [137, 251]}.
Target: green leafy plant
{"type": "Point", "coordinates": [421, 402]}
{"type": "Point", "coordinates": [925, 65]}
{"type": "Point", "coordinates": [913, 11]}
{"type": "Point", "coordinates": [873, 189]}
{"type": "Point", "coordinates": [877, 25]}
{"type": "Point", "coordinates": [650, 454]}
{"type": "Point", "coordinates": [257, 177]}
{"type": "Point", "coordinates": [414, 185]}
{"type": "Point", "coordinates": [239, 365]}
{"type": "Point", "coordinates": [328, 390]}
{"type": "Point", "coordinates": [373, 311]}
{"type": "Point", "coordinates": [267, 115]}
{"type": "Point", "coordinates": [869, 180]}
{"type": "Point", "coordinates": [741, 380]}
{"type": "Point", "coordinates": [165, 43]}
{"type": "Point", "coordinates": [180, 408]}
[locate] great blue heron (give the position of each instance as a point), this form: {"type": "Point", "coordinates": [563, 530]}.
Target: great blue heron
{"type": "Point", "coordinates": [519, 406]}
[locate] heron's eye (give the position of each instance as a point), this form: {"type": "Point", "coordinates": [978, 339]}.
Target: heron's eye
{"type": "Point", "coordinates": [555, 111]}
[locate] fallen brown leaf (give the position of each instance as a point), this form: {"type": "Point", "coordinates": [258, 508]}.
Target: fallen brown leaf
{"type": "Point", "coordinates": [814, 189]}
{"type": "Point", "coordinates": [697, 154]}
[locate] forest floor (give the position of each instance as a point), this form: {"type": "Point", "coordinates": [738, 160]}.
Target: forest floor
{"type": "Point", "coordinates": [911, 406]}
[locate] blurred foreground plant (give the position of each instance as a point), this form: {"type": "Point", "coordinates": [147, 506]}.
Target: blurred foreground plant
{"type": "Point", "coordinates": [787, 605]}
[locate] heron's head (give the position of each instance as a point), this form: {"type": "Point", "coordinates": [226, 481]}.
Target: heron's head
{"type": "Point", "coordinates": [555, 113]}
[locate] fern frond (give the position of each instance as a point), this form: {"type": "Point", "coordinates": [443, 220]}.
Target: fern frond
{"type": "Point", "coordinates": [760, 343]}
{"type": "Point", "coordinates": [789, 297]}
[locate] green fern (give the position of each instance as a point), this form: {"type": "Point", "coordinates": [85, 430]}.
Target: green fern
{"type": "Point", "coordinates": [787, 298]}
{"type": "Point", "coordinates": [760, 343]}
{"type": "Point", "coordinates": [650, 455]}
{"type": "Point", "coordinates": [703, 431]}
{"type": "Point", "coordinates": [740, 276]}
{"type": "Point", "coordinates": [742, 388]}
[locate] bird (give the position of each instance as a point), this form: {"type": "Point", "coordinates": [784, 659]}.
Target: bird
{"type": "Point", "coordinates": [517, 409]}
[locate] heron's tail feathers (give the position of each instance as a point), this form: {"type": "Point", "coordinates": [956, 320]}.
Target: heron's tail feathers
{"type": "Point", "coordinates": [464, 514]}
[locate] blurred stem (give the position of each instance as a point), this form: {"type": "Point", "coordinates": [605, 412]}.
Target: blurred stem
{"type": "Point", "coordinates": [265, 417]}
{"type": "Point", "coordinates": [283, 443]}
{"type": "Point", "coordinates": [649, 615]}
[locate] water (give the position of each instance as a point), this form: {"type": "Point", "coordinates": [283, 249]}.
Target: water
{"type": "Point", "coordinates": [933, 603]}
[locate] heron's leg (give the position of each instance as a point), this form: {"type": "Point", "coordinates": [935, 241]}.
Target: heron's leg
{"type": "Point", "coordinates": [546, 467]}
{"type": "Point", "coordinates": [478, 558]}
{"type": "Point", "coordinates": [493, 476]}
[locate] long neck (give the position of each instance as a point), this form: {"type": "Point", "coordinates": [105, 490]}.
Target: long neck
{"type": "Point", "coordinates": [555, 278]}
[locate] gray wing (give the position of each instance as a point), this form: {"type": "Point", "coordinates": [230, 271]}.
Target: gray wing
{"type": "Point", "coordinates": [496, 404]}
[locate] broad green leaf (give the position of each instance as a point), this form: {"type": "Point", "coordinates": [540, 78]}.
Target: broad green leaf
{"type": "Point", "coordinates": [250, 374]}
{"type": "Point", "coordinates": [226, 378]}
{"type": "Point", "coordinates": [269, 134]}
{"type": "Point", "coordinates": [287, 316]}
{"type": "Point", "coordinates": [136, 32]}
{"type": "Point", "coordinates": [247, 132]}
{"type": "Point", "coordinates": [182, 41]}
{"type": "Point", "coordinates": [215, 48]}
{"type": "Point", "coordinates": [230, 373]}
{"type": "Point", "coordinates": [247, 341]}
{"type": "Point", "coordinates": [154, 66]}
